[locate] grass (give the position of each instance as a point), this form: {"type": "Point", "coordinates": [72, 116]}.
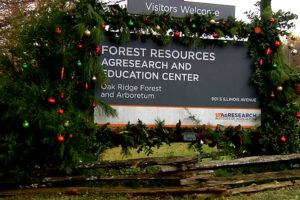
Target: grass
{"type": "Point", "coordinates": [292, 193]}
{"type": "Point", "coordinates": [175, 149]}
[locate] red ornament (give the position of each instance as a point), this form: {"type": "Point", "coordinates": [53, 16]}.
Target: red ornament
{"type": "Point", "coordinates": [215, 35]}
{"type": "Point", "coordinates": [191, 20]}
{"type": "Point", "coordinates": [62, 95]}
{"type": "Point", "coordinates": [257, 30]}
{"type": "Point", "coordinates": [261, 62]}
{"type": "Point", "coordinates": [94, 105]}
{"type": "Point", "coordinates": [283, 139]}
{"type": "Point", "coordinates": [71, 135]}
{"type": "Point", "coordinates": [79, 46]}
{"type": "Point", "coordinates": [146, 19]}
{"type": "Point", "coordinates": [86, 86]}
{"type": "Point", "coordinates": [205, 30]}
{"type": "Point", "coordinates": [113, 14]}
{"type": "Point", "coordinates": [223, 22]}
{"type": "Point", "coordinates": [298, 115]}
{"type": "Point", "coordinates": [103, 26]}
{"type": "Point", "coordinates": [62, 73]}
{"type": "Point", "coordinates": [98, 49]}
{"type": "Point", "coordinates": [51, 100]}
{"type": "Point", "coordinates": [272, 20]}
{"type": "Point", "coordinates": [298, 88]}
{"type": "Point", "coordinates": [60, 138]}
{"type": "Point", "coordinates": [77, 82]}
{"type": "Point", "coordinates": [272, 95]}
{"type": "Point", "coordinates": [165, 19]}
{"type": "Point", "coordinates": [87, 121]}
{"type": "Point", "coordinates": [177, 34]}
{"type": "Point", "coordinates": [269, 52]}
{"type": "Point", "coordinates": [58, 31]}
{"type": "Point", "coordinates": [277, 44]}
{"type": "Point", "coordinates": [61, 111]}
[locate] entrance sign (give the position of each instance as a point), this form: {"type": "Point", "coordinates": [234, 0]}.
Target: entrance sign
{"type": "Point", "coordinates": [179, 8]}
{"type": "Point", "coordinates": [174, 82]}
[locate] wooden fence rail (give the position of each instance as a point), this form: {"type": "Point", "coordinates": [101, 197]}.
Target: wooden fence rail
{"type": "Point", "coordinates": [192, 176]}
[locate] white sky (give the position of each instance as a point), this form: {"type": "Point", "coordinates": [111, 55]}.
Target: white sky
{"type": "Point", "coordinates": [241, 6]}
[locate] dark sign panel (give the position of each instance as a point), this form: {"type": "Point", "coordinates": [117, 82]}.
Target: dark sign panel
{"type": "Point", "coordinates": [175, 75]}
{"type": "Point", "coordinates": [179, 8]}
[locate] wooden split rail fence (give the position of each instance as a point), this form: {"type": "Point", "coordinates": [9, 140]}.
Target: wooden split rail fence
{"type": "Point", "coordinates": [192, 176]}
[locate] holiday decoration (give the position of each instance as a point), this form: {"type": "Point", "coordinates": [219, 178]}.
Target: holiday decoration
{"type": "Point", "coordinates": [24, 65]}
{"type": "Point", "coordinates": [277, 43]}
{"type": "Point", "coordinates": [58, 31]}
{"type": "Point", "coordinates": [61, 111]}
{"type": "Point", "coordinates": [294, 51]}
{"type": "Point", "coordinates": [62, 73]}
{"type": "Point", "coordinates": [25, 124]}
{"type": "Point", "coordinates": [79, 46]}
{"type": "Point", "coordinates": [98, 49]}
{"type": "Point", "coordinates": [94, 105]}
{"type": "Point", "coordinates": [51, 100]}
{"type": "Point", "coordinates": [279, 88]}
{"type": "Point", "coordinates": [146, 19]}
{"type": "Point", "coordinates": [62, 95]}
{"type": "Point", "coordinates": [94, 79]}
{"type": "Point", "coordinates": [157, 28]}
{"type": "Point", "coordinates": [194, 26]}
{"type": "Point", "coordinates": [87, 33]}
{"type": "Point", "coordinates": [212, 21]}
{"type": "Point", "coordinates": [298, 88]}
{"type": "Point", "coordinates": [36, 44]}
{"type": "Point", "coordinates": [177, 34]}
{"type": "Point", "coordinates": [269, 52]}
{"type": "Point", "coordinates": [257, 30]}
{"type": "Point", "coordinates": [130, 23]}
{"type": "Point", "coordinates": [87, 121]}
{"type": "Point", "coordinates": [283, 139]}
{"type": "Point", "coordinates": [272, 20]}
{"type": "Point", "coordinates": [60, 138]}
{"type": "Point", "coordinates": [79, 63]}
{"type": "Point", "coordinates": [215, 35]}
{"type": "Point", "coordinates": [261, 62]}
{"type": "Point", "coordinates": [224, 22]}
{"type": "Point", "coordinates": [86, 86]}
{"type": "Point", "coordinates": [298, 115]}
{"type": "Point", "coordinates": [272, 95]}
{"type": "Point", "coordinates": [67, 123]}
{"type": "Point", "coordinates": [71, 135]}
{"type": "Point", "coordinates": [103, 26]}
{"type": "Point", "coordinates": [275, 65]}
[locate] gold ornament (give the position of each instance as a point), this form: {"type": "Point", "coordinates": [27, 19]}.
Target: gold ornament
{"type": "Point", "coordinates": [67, 124]}
{"type": "Point", "coordinates": [293, 37]}
{"type": "Point", "coordinates": [157, 28]}
{"type": "Point", "coordinates": [212, 21]}
{"type": "Point", "coordinates": [279, 88]}
{"type": "Point", "coordinates": [294, 51]}
{"type": "Point", "coordinates": [87, 33]}
{"type": "Point", "coordinates": [94, 78]}
{"type": "Point", "coordinates": [291, 46]}
{"type": "Point", "coordinates": [36, 44]}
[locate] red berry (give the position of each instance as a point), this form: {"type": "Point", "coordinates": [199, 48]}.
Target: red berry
{"type": "Point", "coordinates": [71, 135]}
{"type": "Point", "coordinates": [283, 139]}
{"type": "Point", "coordinates": [61, 111]}
{"type": "Point", "coordinates": [51, 100]}
{"type": "Point", "coordinates": [60, 138]}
